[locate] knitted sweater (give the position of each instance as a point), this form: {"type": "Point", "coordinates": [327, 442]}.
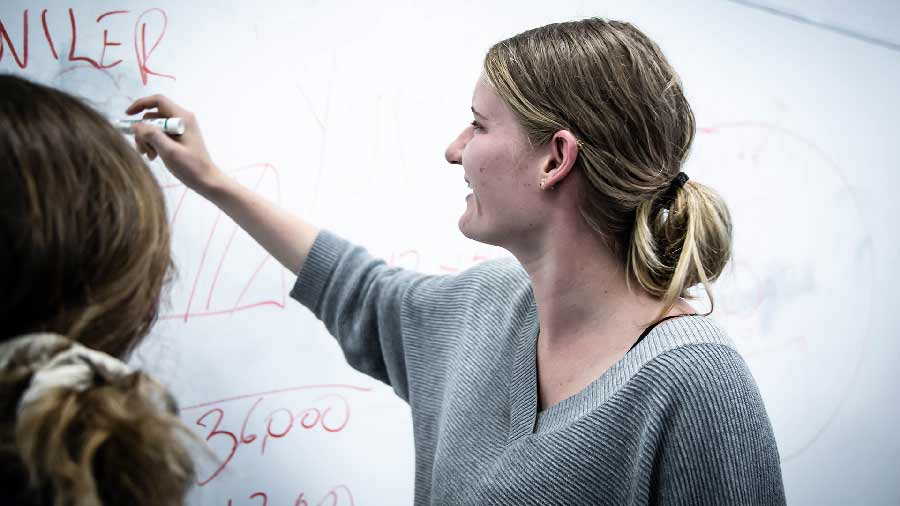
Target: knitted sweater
{"type": "Point", "coordinates": [678, 420]}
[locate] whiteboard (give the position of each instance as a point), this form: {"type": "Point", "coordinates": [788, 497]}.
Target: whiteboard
{"type": "Point", "coordinates": [341, 112]}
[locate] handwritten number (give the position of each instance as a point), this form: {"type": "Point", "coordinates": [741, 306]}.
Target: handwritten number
{"type": "Point", "coordinates": [249, 438]}
{"type": "Point", "coordinates": [216, 432]}
{"type": "Point", "coordinates": [276, 435]}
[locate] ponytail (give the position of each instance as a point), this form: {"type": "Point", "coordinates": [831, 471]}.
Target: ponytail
{"type": "Point", "coordinates": [110, 438]}
{"type": "Point", "coordinates": [678, 241]}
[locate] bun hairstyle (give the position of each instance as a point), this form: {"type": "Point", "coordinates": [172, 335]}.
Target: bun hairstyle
{"type": "Point", "coordinates": [611, 86]}
{"type": "Point", "coordinates": [79, 428]}
{"type": "Point", "coordinates": [85, 255]}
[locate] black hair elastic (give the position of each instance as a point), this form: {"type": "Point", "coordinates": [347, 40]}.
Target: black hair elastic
{"type": "Point", "coordinates": [665, 200]}
{"type": "Point", "coordinates": [680, 179]}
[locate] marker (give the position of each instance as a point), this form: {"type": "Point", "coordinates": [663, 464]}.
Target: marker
{"type": "Point", "coordinates": [171, 126]}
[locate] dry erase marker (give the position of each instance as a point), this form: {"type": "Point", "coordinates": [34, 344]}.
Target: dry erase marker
{"type": "Point", "coordinates": [171, 126]}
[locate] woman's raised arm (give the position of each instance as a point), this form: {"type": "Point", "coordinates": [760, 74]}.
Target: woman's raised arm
{"type": "Point", "coordinates": [285, 236]}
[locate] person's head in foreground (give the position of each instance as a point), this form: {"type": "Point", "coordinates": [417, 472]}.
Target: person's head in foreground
{"type": "Point", "coordinates": [85, 255]}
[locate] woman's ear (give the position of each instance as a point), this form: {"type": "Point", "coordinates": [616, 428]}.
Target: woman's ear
{"type": "Point", "coordinates": [563, 151]}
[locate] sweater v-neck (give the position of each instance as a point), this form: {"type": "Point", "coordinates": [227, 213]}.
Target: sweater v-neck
{"type": "Point", "coordinates": [527, 420]}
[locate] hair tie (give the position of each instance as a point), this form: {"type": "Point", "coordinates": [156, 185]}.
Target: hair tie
{"type": "Point", "coordinates": [679, 180]}
{"type": "Point", "coordinates": [664, 200]}
{"type": "Point", "coordinates": [60, 362]}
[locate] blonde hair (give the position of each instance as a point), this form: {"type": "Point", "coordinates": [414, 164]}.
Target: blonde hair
{"type": "Point", "coordinates": [611, 86]}
{"type": "Point", "coordinates": [117, 441]}
{"type": "Point", "coordinates": [86, 254]}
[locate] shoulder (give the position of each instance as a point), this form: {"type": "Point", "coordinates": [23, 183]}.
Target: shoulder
{"type": "Point", "coordinates": [691, 366]}
{"type": "Point", "coordinates": [701, 374]}
{"type": "Point", "coordinates": [502, 280]}
{"type": "Point", "coordinates": [502, 275]}
{"type": "Point", "coordinates": [700, 380]}
{"type": "Point", "coordinates": [499, 272]}
{"type": "Point", "coordinates": [691, 353]}
{"type": "Point", "coordinates": [711, 425]}
{"type": "Point", "coordinates": [493, 296]}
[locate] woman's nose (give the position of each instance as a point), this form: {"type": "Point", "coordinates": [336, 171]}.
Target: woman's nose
{"type": "Point", "coordinates": [454, 151]}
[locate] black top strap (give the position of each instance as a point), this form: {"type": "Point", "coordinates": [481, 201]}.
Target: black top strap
{"type": "Point", "coordinates": [651, 327]}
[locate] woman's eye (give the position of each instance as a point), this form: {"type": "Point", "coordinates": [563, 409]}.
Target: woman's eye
{"type": "Point", "coordinates": [476, 125]}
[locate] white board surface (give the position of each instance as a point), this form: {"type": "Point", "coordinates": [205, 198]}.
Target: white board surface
{"type": "Point", "coordinates": [340, 111]}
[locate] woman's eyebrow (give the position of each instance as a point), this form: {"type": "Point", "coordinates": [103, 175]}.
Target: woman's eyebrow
{"type": "Point", "coordinates": [476, 113]}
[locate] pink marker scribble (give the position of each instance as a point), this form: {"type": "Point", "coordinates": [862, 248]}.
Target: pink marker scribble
{"type": "Point", "coordinates": [275, 295]}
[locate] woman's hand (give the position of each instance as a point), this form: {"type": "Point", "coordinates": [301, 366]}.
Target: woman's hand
{"type": "Point", "coordinates": [287, 238]}
{"type": "Point", "coordinates": [185, 155]}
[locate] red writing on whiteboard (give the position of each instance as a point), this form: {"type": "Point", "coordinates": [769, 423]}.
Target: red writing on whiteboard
{"type": "Point", "coordinates": [339, 495]}
{"type": "Point", "coordinates": [325, 408]}
{"type": "Point", "coordinates": [206, 293]}
{"type": "Point", "coordinates": [146, 34]}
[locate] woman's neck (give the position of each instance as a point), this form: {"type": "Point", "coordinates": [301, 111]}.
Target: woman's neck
{"type": "Point", "coordinates": [581, 292]}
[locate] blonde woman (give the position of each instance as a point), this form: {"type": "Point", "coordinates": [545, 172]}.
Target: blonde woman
{"type": "Point", "coordinates": [84, 256]}
{"type": "Point", "coordinates": [577, 373]}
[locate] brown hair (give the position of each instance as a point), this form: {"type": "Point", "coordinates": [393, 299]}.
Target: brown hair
{"type": "Point", "coordinates": [86, 254]}
{"type": "Point", "coordinates": [611, 86]}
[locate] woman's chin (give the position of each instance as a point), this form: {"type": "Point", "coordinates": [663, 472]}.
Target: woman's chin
{"type": "Point", "coordinates": [469, 221]}
{"type": "Point", "coordinates": [471, 230]}
{"type": "Point", "coordinates": [464, 224]}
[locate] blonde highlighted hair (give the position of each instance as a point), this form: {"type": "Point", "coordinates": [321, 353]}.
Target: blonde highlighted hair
{"type": "Point", "coordinates": [611, 86]}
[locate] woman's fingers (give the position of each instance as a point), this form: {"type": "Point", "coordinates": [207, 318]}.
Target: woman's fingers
{"type": "Point", "coordinates": [153, 140]}
{"type": "Point", "coordinates": [164, 106]}
{"type": "Point", "coordinates": [184, 155]}
{"type": "Point", "coordinates": [143, 104]}
{"type": "Point", "coordinates": [145, 149]}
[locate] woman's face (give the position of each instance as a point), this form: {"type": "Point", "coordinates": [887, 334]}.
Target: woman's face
{"type": "Point", "coordinates": [503, 171]}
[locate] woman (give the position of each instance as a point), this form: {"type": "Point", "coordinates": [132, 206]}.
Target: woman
{"type": "Point", "coordinates": [85, 254]}
{"type": "Point", "coordinates": [577, 374]}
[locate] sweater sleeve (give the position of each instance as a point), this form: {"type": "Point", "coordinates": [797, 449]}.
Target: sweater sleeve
{"type": "Point", "coordinates": [359, 299]}
{"type": "Point", "coordinates": [717, 446]}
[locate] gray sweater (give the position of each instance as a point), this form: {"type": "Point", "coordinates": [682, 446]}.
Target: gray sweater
{"type": "Point", "coordinates": [678, 420]}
